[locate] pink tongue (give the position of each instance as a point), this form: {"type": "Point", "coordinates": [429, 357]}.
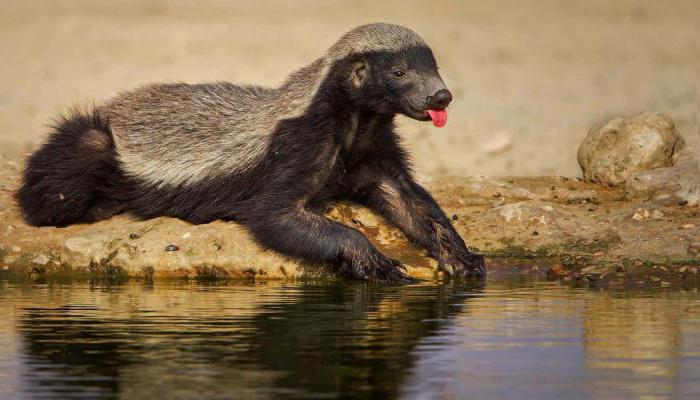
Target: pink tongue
{"type": "Point", "coordinates": [439, 117]}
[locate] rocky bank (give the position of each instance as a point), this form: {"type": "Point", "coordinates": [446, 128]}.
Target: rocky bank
{"type": "Point", "coordinates": [645, 229]}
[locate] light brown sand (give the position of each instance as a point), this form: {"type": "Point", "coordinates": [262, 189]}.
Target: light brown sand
{"type": "Point", "coordinates": [529, 77]}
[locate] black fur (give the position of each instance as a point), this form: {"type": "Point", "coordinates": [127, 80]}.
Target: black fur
{"type": "Point", "coordinates": [67, 179]}
{"type": "Point", "coordinates": [309, 162]}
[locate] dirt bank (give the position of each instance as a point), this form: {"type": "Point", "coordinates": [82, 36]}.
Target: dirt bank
{"type": "Point", "coordinates": [543, 225]}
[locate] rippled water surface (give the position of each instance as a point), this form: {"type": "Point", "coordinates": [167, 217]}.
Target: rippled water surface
{"type": "Point", "coordinates": [507, 339]}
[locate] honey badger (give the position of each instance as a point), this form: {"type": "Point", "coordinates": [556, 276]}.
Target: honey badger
{"type": "Point", "coordinates": [268, 158]}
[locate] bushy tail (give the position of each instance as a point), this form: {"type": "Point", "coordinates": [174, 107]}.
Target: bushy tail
{"type": "Point", "coordinates": [64, 179]}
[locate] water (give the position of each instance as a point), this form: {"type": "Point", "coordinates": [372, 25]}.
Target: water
{"type": "Point", "coordinates": [506, 339]}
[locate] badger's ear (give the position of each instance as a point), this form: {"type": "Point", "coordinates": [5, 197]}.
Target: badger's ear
{"type": "Point", "coordinates": [359, 73]}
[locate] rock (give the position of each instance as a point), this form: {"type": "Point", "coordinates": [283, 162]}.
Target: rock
{"type": "Point", "coordinates": [511, 211]}
{"type": "Point", "coordinates": [41, 259]}
{"type": "Point", "coordinates": [640, 214]}
{"type": "Point", "coordinates": [82, 251]}
{"type": "Point", "coordinates": [678, 184]}
{"type": "Point", "coordinates": [595, 272]}
{"type": "Point", "coordinates": [657, 214]}
{"type": "Point", "coordinates": [624, 147]}
{"type": "Point", "coordinates": [694, 249]}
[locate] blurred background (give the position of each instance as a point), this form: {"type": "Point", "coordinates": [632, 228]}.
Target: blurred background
{"type": "Point", "coordinates": [529, 77]}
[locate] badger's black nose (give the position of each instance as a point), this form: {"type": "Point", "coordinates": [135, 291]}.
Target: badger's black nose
{"type": "Point", "coordinates": [440, 100]}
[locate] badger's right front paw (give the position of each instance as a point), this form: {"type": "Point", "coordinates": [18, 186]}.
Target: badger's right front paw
{"type": "Point", "coordinates": [376, 267]}
{"type": "Point", "coordinates": [466, 264]}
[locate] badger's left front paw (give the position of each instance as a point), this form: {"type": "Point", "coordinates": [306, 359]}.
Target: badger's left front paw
{"type": "Point", "coordinates": [466, 264]}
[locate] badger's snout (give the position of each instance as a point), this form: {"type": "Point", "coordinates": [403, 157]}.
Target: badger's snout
{"type": "Point", "coordinates": [440, 100]}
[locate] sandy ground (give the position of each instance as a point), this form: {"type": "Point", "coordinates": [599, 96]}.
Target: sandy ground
{"type": "Point", "coordinates": [529, 77]}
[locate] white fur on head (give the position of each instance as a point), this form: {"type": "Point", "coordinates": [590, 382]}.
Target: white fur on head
{"type": "Point", "coordinates": [374, 37]}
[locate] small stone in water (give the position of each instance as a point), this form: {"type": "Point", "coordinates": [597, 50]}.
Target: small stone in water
{"type": "Point", "coordinates": [171, 247]}
{"type": "Point", "coordinates": [455, 217]}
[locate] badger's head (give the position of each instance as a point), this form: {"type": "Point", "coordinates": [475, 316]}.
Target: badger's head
{"type": "Point", "coordinates": [390, 69]}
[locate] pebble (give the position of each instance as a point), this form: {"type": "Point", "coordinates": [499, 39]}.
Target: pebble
{"type": "Point", "coordinates": [694, 248]}
{"type": "Point", "coordinates": [171, 247]}
{"type": "Point", "coordinates": [188, 235]}
{"type": "Point", "coordinates": [688, 226]}
{"type": "Point", "coordinates": [41, 259]}
{"type": "Point", "coordinates": [134, 236]}
{"type": "Point", "coordinates": [641, 214]}
{"type": "Point", "coordinates": [511, 211]}
{"type": "Point", "coordinates": [499, 142]}
{"type": "Point", "coordinates": [540, 220]}
{"type": "Point", "coordinates": [16, 249]}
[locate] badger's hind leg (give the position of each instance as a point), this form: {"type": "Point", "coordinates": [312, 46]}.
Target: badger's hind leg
{"type": "Point", "coordinates": [103, 209]}
{"type": "Point", "coordinates": [66, 179]}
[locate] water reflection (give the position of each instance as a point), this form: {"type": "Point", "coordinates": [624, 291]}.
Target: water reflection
{"type": "Point", "coordinates": [251, 341]}
{"type": "Point", "coordinates": [536, 341]}
{"type": "Point", "coordinates": [510, 339]}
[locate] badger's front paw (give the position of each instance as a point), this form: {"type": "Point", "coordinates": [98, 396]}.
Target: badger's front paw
{"type": "Point", "coordinates": [376, 267]}
{"type": "Point", "coordinates": [466, 264]}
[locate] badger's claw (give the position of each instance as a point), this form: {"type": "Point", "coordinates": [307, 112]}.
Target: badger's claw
{"type": "Point", "coordinates": [376, 267]}
{"type": "Point", "coordinates": [465, 265]}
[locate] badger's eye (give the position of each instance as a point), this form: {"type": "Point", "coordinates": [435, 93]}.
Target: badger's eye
{"type": "Point", "coordinates": [398, 73]}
